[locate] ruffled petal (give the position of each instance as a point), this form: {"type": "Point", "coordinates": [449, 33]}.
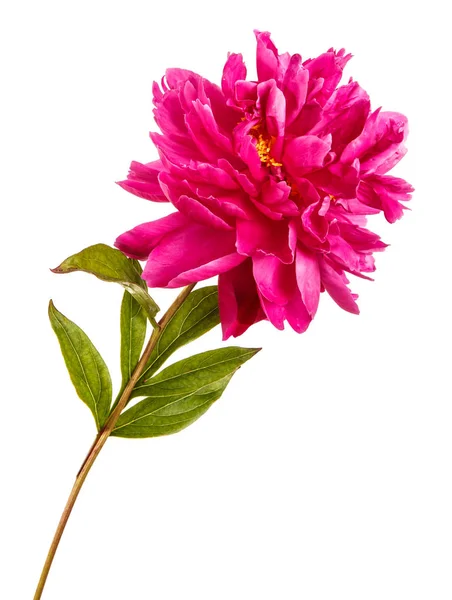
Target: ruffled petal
{"type": "Point", "coordinates": [279, 295]}
{"type": "Point", "coordinates": [380, 145]}
{"type": "Point", "coordinates": [205, 133]}
{"type": "Point", "coordinates": [273, 279]}
{"type": "Point", "coordinates": [180, 195]}
{"type": "Point", "coordinates": [305, 154]}
{"type": "Point", "coordinates": [296, 314]}
{"type": "Point", "coordinates": [385, 193]}
{"type": "Point", "coordinates": [238, 300]}
{"type": "Point", "coordinates": [308, 279]}
{"type": "Point", "coordinates": [142, 181]}
{"type": "Point", "coordinates": [325, 72]}
{"type": "Point", "coordinates": [234, 70]}
{"type": "Point", "coordinates": [271, 105]}
{"type": "Point", "coordinates": [270, 64]}
{"type": "Point", "coordinates": [141, 240]}
{"type": "Point", "coordinates": [275, 238]}
{"type": "Point", "coordinates": [344, 115]}
{"type": "Point", "coordinates": [338, 179]}
{"type": "Point", "coordinates": [335, 284]}
{"type": "Point", "coordinates": [189, 254]}
{"type": "Point", "coordinates": [295, 88]}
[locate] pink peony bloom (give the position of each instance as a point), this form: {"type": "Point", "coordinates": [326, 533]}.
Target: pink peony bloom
{"type": "Point", "coordinates": [272, 181]}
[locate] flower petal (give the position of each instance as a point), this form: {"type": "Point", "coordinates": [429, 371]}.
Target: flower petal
{"type": "Point", "coordinates": [325, 72]}
{"type": "Point", "coordinates": [142, 181]}
{"type": "Point", "coordinates": [344, 115]}
{"type": "Point", "coordinates": [238, 300]}
{"type": "Point", "coordinates": [335, 284]}
{"type": "Point", "coordinates": [296, 314]}
{"type": "Point", "coordinates": [385, 193]}
{"type": "Point", "coordinates": [270, 64]}
{"type": "Point", "coordinates": [234, 70]}
{"type": "Point", "coordinates": [273, 278]}
{"type": "Point", "coordinates": [380, 145]}
{"type": "Point", "coordinates": [305, 154]}
{"type": "Point", "coordinates": [282, 287]}
{"type": "Point", "coordinates": [274, 312]}
{"type": "Point", "coordinates": [338, 179]}
{"type": "Point", "coordinates": [179, 193]}
{"type": "Point", "coordinates": [295, 88]}
{"type": "Point", "coordinates": [276, 238]}
{"type": "Point", "coordinates": [191, 254]}
{"type": "Point", "coordinates": [139, 241]}
{"type": "Point", "coordinates": [308, 279]}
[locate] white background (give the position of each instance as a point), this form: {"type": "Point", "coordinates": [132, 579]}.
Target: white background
{"type": "Point", "coordinates": [324, 472]}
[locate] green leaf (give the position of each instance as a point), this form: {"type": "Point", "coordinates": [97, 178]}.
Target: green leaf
{"type": "Point", "coordinates": [133, 333]}
{"type": "Point", "coordinates": [196, 316]}
{"type": "Point", "coordinates": [146, 419]}
{"type": "Point", "coordinates": [193, 373]}
{"type": "Point", "coordinates": [181, 393]}
{"type": "Point", "coordinates": [141, 295]}
{"type": "Point", "coordinates": [110, 264]}
{"type": "Point", "coordinates": [87, 370]}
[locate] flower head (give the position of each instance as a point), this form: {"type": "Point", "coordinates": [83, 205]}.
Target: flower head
{"type": "Point", "coordinates": [272, 181]}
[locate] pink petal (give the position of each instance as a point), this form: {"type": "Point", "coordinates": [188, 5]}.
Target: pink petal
{"type": "Point", "coordinates": [326, 69]}
{"type": "Point", "coordinates": [338, 179]}
{"type": "Point", "coordinates": [270, 65]}
{"type": "Point", "coordinates": [213, 187]}
{"type": "Point", "coordinates": [380, 145]}
{"type": "Point", "coordinates": [275, 118]}
{"type": "Point", "coordinates": [314, 221]}
{"type": "Point", "coordinates": [295, 88]}
{"type": "Point", "coordinates": [248, 153]}
{"type": "Point", "coordinates": [139, 241]}
{"type": "Point", "coordinates": [238, 300]}
{"type": "Point", "coordinates": [276, 238]}
{"type": "Point", "coordinates": [179, 193]}
{"type": "Point", "coordinates": [242, 179]}
{"type": "Point", "coordinates": [274, 312]}
{"type": "Point", "coordinates": [308, 279]}
{"type": "Point", "coordinates": [234, 70]}
{"type": "Point", "coordinates": [176, 77]}
{"type": "Point", "coordinates": [309, 115]}
{"type": "Point", "coordinates": [205, 132]}
{"type": "Point", "coordinates": [191, 254]}
{"type": "Point", "coordinates": [294, 310]}
{"type": "Point", "coordinates": [335, 285]}
{"type": "Point", "coordinates": [142, 181]}
{"type": "Point", "coordinates": [274, 201]}
{"type": "Point", "coordinates": [246, 93]}
{"type": "Point", "coordinates": [344, 115]}
{"type": "Point", "coordinates": [362, 240]}
{"type": "Point", "coordinates": [178, 151]}
{"type": "Point", "coordinates": [297, 315]}
{"type": "Point", "coordinates": [273, 278]}
{"type": "Point", "coordinates": [305, 154]}
{"type": "Point", "coordinates": [385, 193]}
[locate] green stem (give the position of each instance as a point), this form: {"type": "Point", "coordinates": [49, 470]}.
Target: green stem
{"type": "Point", "coordinates": [103, 436]}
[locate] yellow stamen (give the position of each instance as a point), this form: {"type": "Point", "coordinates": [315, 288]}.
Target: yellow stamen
{"type": "Point", "coordinates": [263, 147]}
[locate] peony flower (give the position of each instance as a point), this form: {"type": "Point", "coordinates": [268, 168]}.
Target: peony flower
{"type": "Point", "coordinates": [271, 181]}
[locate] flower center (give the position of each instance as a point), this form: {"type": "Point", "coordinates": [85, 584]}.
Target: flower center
{"type": "Point", "coordinates": [263, 146]}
